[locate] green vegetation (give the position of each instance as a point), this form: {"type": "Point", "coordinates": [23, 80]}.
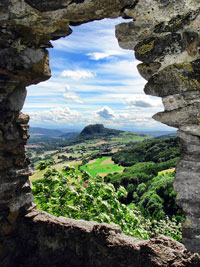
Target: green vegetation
{"type": "Point", "coordinates": [44, 164]}
{"type": "Point", "coordinates": [152, 193]}
{"type": "Point", "coordinates": [139, 198]}
{"type": "Point", "coordinates": [157, 198]}
{"type": "Point", "coordinates": [67, 194]}
{"type": "Point", "coordinates": [129, 138]}
{"type": "Point", "coordinates": [158, 150]}
{"type": "Point", "coordinates": [67, 152]}
{"type": "Point", "coordinates": [101, 166]}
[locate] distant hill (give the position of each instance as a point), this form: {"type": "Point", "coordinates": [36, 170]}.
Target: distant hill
{"type": "Point", "coordinates": [159, 133]}
{"type": "Point", "coordinates": [69, 136]}
{"type": "Point", "coordinates": [43, 131]}
{"type": "Point", "coordinates": [172, 135]}
{"type": "Point", "coordinates": [96, 130]}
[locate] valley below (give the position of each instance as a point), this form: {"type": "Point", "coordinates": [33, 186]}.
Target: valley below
{"type": "Point", "coordinates": [106, 175]}
{"type": "Point", "coordinates": [48, 145]}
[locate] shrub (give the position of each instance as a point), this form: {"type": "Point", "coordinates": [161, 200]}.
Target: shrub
{"type": "Point", "coordinates": [67, 194]}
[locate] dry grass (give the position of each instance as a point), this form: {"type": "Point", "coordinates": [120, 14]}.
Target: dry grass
{"type": "Point", "coordinates": [104, 174]}
{"type": "Point", "coordinates": [92, 161]}
{"type": "Point", "coordinates": [107, 161]}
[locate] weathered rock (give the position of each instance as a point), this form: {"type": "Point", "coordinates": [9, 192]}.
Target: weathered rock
{"type": "Point", "coordinates": [147, 70]}
{"type": "Point", "coordinates": [176, 101]}
{"type": "Point", "coordinates": [51, 5]}
{"type": "Point", "coordinates": [175, 79]}
{"type": "Point", "coordinates": [165, 36]}
{"type": "Point", "coordinates": [155, 48]}
{"type": "Point", "coordinates": [65, 242]}
{"type": "Point", "coordinates": [181, 116]}
{"type": "Point", "coordinates": [23, 118]}
{"type": "Point", "coordinates": [191, 129]}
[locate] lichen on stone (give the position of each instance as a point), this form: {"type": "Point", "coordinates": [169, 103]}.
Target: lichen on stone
{"type": "Point", "coordinates": [143, 49]}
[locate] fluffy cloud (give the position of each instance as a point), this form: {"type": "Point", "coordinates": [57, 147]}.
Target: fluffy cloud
{"type": "Point", "coordinates": [143, 101]}
{"type": "Point", "coordinates": [103, 84]}
{"type": "Point", "coordinates": [98, 55]}
{"type": "Point", "coordinates": [106, 113]}
{"type": "Point", "coordinates": [120, 119]}
{"type": "Point", "coordinates": [105, 54]}
{"type": "Point", "coordinates": [77, 74]}
{"type": "Point", "coordinates": [71, 97]}
{"type": "Point", "coordinates": [56, 116]}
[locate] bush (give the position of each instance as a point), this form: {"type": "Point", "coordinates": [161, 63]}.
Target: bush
{"type": "Point", "coordinates": [44, 164]}
{"type": "Point", "coordinates": [67, 194]}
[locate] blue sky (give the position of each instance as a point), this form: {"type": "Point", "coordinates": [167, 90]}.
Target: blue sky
{"type": "Point", "coordinates": [93, 81]}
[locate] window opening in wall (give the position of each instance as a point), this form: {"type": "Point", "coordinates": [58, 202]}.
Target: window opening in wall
{"type": "Point", "coordinates": [92, 144]}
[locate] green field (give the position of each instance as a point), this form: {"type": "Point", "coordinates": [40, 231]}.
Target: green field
{"type": "Point", "coordinates": [101, 166]}
{"type": "Point", "coordinates": [87, 149]}
{"type": "Point", "coordinates": [128, 137]}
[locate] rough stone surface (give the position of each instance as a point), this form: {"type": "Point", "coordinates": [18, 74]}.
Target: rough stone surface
{"type": "Point", "coordinates": [65, 242]}
{"type": "Point", "coordinates": [165, 37]}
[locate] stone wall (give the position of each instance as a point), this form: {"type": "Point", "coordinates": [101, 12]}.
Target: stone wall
{"type": "Point", "coordinates": [165, 37]}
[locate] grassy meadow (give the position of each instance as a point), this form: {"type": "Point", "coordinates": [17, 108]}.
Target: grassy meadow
{"type": "Point", "coordinates": [101, 166]}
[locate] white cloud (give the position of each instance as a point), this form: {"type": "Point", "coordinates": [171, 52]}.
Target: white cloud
{"type": "Point", "coordinates": [77, 74]}
{"type": "Point", "coordinates": [105, 113]}
{"type": "Point", "coordinates": [143, 101]}
{"type": "Point", "coordinates": [123, 68]}
{"type": "Point", "coordinates": [94, 37]}
{"type": "Point", "coordinates": [123, 120]}
{"type": "Point", "coordinates": [56, 116]}
{"type": "Point", "coordinates": [105, 54]}
{"type": "Point", "coordinates": [71, 97]}
{"type": "Point", "coordinates": [98, 55]}
{"type": "Point", "coordinates": [111, 89]}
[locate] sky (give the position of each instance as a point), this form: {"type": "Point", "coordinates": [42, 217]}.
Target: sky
{"type": "Point", "coordinates": [93, 81]}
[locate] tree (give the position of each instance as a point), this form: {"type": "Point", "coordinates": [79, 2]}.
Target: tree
{"type": "Point", "coordinates": [66, 193]}
{"type": "Point", "coordinates": [44, 164]}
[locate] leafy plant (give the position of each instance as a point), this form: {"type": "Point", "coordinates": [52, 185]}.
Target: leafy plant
{"type": "Point", "coordinates": [44, 164]}
{"type": "Point", "coordinates": [77, 196]}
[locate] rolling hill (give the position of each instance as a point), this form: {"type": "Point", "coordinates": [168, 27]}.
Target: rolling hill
{"type": "Point", "coordinates": [93, 130]}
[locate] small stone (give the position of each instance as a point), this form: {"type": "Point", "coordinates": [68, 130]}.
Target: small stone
{"type": "Point", "coordinates": [148, 70]}
{"type": "Point", "coordinates": [192, 42]}
{"type": "Point", "coordinates": [20, 201]}
{"type": "Point", "coordinates": [23, 118]}
{"type": "Point", "coordinates": [27, 187]}
{"type": "Point", "coordinates": [12, 217]}
{"type": "Point", "coordinates": [8, 228]}
{"type": "Point", "coordinates": [16, 98]}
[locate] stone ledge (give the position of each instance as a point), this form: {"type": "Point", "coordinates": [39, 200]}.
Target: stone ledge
{"type": "Point", "coordinates": [45, 240]}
